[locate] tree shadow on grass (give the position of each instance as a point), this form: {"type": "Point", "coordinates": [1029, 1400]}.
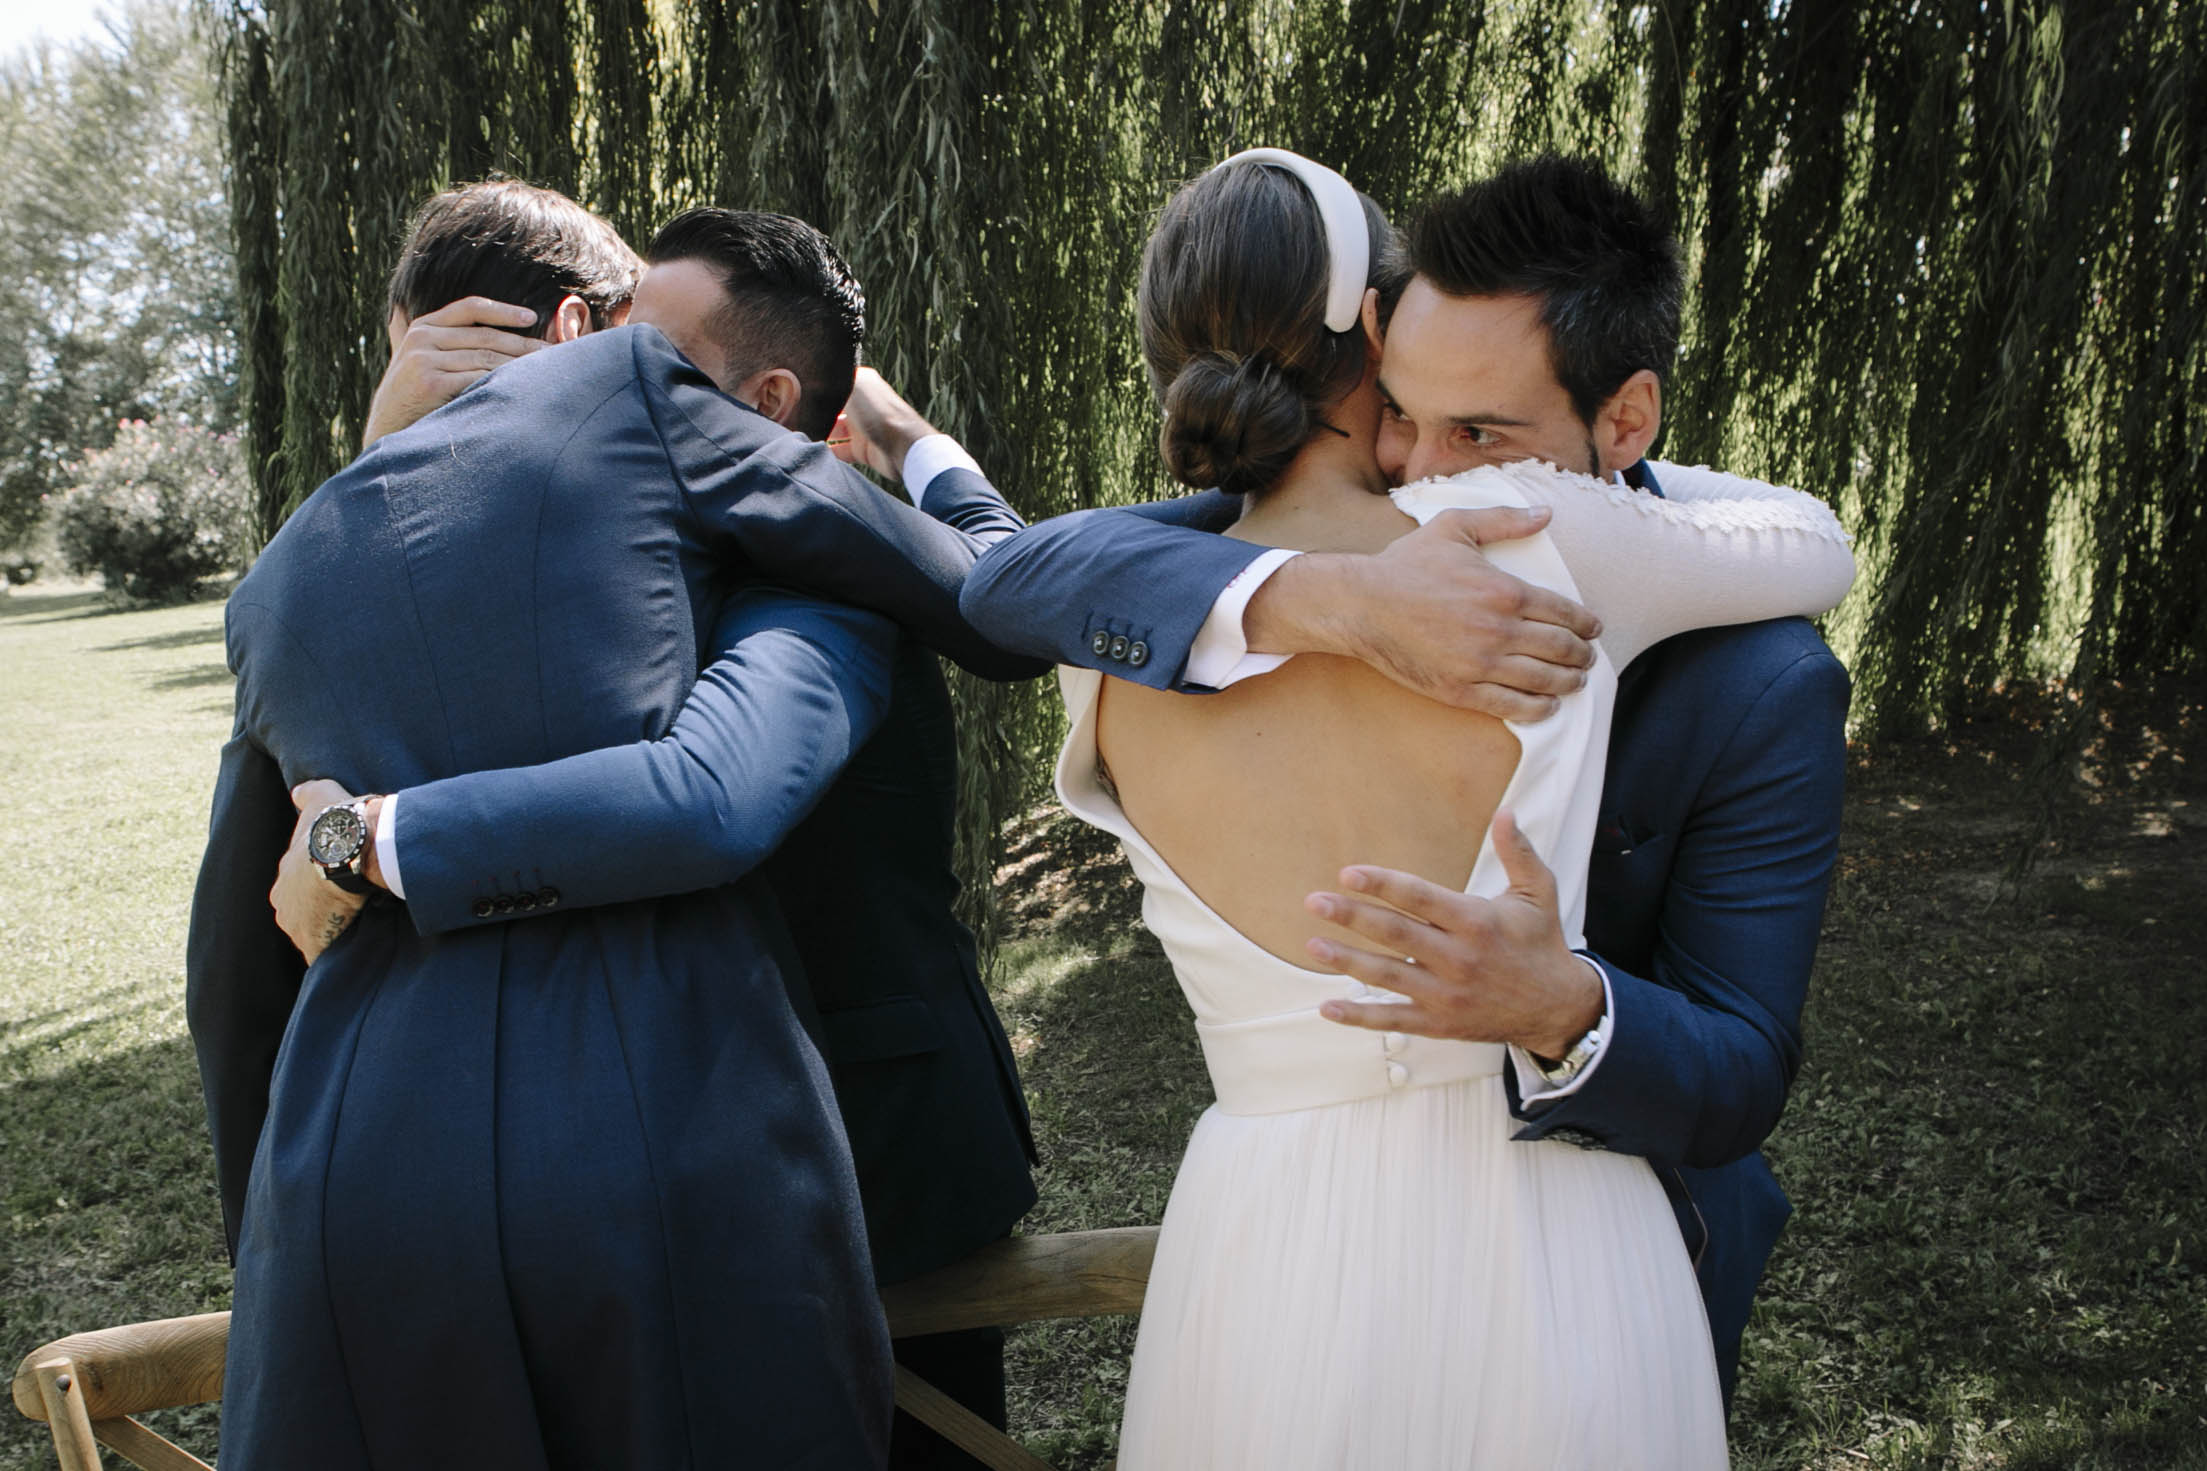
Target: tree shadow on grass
{"type": "Point", "coordinates": [199, 676]}
{"type": "Point", "coordinates": [1995, 1149]}
{"type": "Point", "coordinates": [112, 1214]}
{"type": "Point", "coordinates": [12, 1052]}
{"type": "Point", "coordinates": [11, 1025]}
{"type": "Point", "coordinates": [54, 607]}
{"type": "Point", "coordinates": [183, 638]}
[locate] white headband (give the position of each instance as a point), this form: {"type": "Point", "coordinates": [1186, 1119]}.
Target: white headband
{"type": "Point", "coordinates": [1348, 238]}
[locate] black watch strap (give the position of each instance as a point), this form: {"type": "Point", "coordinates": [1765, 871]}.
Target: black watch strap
{"type": "Point", "coordinates": [351, 880]}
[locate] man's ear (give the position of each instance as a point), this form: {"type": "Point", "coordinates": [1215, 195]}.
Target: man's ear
{"type": "Point", "coordinates": [774, 393]}
{"type": "Point", "coordinates": [1627, 424]}
{"type": "Point", "coordinates": [570, 319]}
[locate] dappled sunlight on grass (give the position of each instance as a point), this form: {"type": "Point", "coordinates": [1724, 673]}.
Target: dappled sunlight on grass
{"type": "Point", "coordinates": [108, 743]}
{"type": "Point", "coordinates": [1995, 1148]}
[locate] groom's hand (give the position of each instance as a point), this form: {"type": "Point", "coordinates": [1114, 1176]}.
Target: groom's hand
{"type": "Point", "coordinates": [1433, 614]}
{"type": "Point", "coordinates": [1486, 970]}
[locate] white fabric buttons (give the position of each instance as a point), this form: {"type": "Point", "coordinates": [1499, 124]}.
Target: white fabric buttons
{"type": "Point", "coordinates": [1397, 1074]}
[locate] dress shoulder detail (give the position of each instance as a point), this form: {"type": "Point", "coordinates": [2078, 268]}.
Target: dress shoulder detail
{"type": "Point", "coordinates": [1697, 496]}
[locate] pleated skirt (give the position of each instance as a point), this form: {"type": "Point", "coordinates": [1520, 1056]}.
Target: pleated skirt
{"type": "Point", "coordinates": [1394, 1283]}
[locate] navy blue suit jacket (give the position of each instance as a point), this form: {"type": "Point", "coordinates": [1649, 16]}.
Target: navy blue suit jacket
{"type": "Point", "coordinates": [1718, 836]}
{"type": "Point", "coordinates": [924, 1076]}
{"type": "Point", "coordinates": [505, 1141]}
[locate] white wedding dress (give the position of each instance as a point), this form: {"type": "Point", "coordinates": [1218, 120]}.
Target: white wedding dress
{"type": "Point", "coordinates": [1358, 1267]}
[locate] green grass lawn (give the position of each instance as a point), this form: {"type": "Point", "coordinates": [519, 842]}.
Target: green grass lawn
{"type": "Point", "coordinates": [110, 724]}
{"type": "Point", "coordinates": [1994, 1151]}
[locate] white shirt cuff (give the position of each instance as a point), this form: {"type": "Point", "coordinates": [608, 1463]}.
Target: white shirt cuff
{"type": "Point", "coordinates": [1220, 655]}
{"type": "Point", "coordinates": [1534, 1087]}
{"type": "Point", "coordinates": [386, 845]}
{"type": "Point", "coordinates": [928, 457]}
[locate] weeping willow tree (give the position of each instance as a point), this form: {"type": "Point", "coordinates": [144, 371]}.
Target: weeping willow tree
{"type": "Point", "coordinates": [1946, 257]}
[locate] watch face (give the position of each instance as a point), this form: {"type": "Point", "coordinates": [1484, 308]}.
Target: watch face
{"type": "Point", "coordinates": [337, 836]}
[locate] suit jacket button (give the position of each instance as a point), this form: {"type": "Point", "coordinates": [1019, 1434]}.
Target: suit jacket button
{"type": "Point", "coordinates": [547, 897]}
{"type": "Point", "coordinates": [1100, 644]}
{"type": "Point", "coordinates": [503, 904]}
{"type": "Point", "coordinates": [1137, 653]}
{"type": "Point", "coordinates": [481, 909]}
{"type": "Point", "coordinates": [524, 901]}
{"type": "Point", "coordinates": [1118, 647]}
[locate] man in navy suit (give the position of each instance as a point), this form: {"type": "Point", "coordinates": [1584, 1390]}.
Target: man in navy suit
{"type": "Point", "coordinates": [1540, 320]}
{"type": "Point", "coordinates": [924, 1076]}
{"type": "Point", "coordinates": [590, 1161]}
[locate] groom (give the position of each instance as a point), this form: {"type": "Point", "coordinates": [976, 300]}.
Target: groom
{"type": "Point", "coordinates": [1540, 322]}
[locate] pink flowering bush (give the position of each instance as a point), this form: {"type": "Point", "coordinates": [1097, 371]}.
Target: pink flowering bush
{"type": "Point", "coordinates": [161, 508]}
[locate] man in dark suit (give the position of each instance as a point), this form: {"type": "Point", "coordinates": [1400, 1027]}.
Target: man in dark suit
{"type": "Point", "coordinates": [923, 1074]}
{"type": "Point", "coordinates": [1541, 318]}
{"type": "Point", "coordinates": [568, 1193]}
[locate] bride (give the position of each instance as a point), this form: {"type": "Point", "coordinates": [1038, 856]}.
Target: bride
{"type": "Point", "coordinates": [1358, 1266]}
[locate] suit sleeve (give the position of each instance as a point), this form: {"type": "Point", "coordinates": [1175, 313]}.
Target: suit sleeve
{"type": "Point", "coordinates": [798, 686]}
{"type": "Point", "coordinates": [241, 974]}
{"type": "Point", "coordinates": [794, 514]}
{"type": "Point", "coordinates": [1703, 1049]}
{"type": "Point", "coordinates": [1087, 588]}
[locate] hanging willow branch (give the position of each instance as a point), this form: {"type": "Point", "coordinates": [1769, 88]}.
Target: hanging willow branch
{"type": "Point", "coordinates": [1947, 259]}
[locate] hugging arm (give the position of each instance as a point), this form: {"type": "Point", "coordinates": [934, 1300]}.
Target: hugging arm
{"type": "Point", "coordinates": [1148, 594]}
{"type": "Point", "coordinates": [1704, 1046]}
{"type": "Point", "coordinates": [798, 686]}
{"type": "Point", "coordinates": [794, 514]}
{"type": "Point", "coordinates": [1145, 575]}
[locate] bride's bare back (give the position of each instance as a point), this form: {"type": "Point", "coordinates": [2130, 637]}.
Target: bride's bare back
{"type": "Point", "coordinates": [1263, 792]}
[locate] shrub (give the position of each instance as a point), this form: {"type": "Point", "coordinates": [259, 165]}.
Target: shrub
{"type": "Point", "coordinates": [161, 508]}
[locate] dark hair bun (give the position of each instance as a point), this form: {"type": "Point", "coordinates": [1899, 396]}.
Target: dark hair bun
{"type": "Point", "coordinates": [1233, 422]}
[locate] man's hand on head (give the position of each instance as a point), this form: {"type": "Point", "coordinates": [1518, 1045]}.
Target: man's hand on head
{"type": "Point", "coordinates": [1433, 614]}
{"type": "Point", "coordinates": [442, 353]}
{"type": "Point", "coordinates": [877, 427]}
{"type": "Point", "coordinates": [311, 910]}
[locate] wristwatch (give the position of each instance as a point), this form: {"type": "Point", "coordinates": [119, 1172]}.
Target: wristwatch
{"type": "Point", "coordinates": [1582, 1052]}
{"type": "Point", "coordinates": [338, 843]}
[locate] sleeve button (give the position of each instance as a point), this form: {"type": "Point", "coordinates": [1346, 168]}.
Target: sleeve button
{"type": "Point", "coordinates": [547, 897]}
{"type": "Point", "coordinates": [1137, 653]}
{"type": "Point", "coordinates": [524, 902]}
{"type": "Point", "coordinates": [481, 909]}
{"type": "Point", "coordinates": [1118, 647]}
{"type": "Point", "coordinates": [1100, 644]}
{"type": "Point", "coordinates": [503, 904]}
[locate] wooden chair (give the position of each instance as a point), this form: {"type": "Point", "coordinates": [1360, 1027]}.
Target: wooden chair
{"type": "Point", "coordinates": [87, 1386]}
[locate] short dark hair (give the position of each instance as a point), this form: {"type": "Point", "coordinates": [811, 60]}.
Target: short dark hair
{"type": "Point", "coordinates": [792, 301]}
{"type": "Point", "coordinates": [1232, 309]}
{"type": "Point", "coordinates": [512, 242]}
{"type": "Point", "coordinates": [1600, 260]}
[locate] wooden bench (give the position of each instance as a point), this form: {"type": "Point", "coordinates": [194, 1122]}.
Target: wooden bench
{"type": "Point", "coordinates": [87, 1386]}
